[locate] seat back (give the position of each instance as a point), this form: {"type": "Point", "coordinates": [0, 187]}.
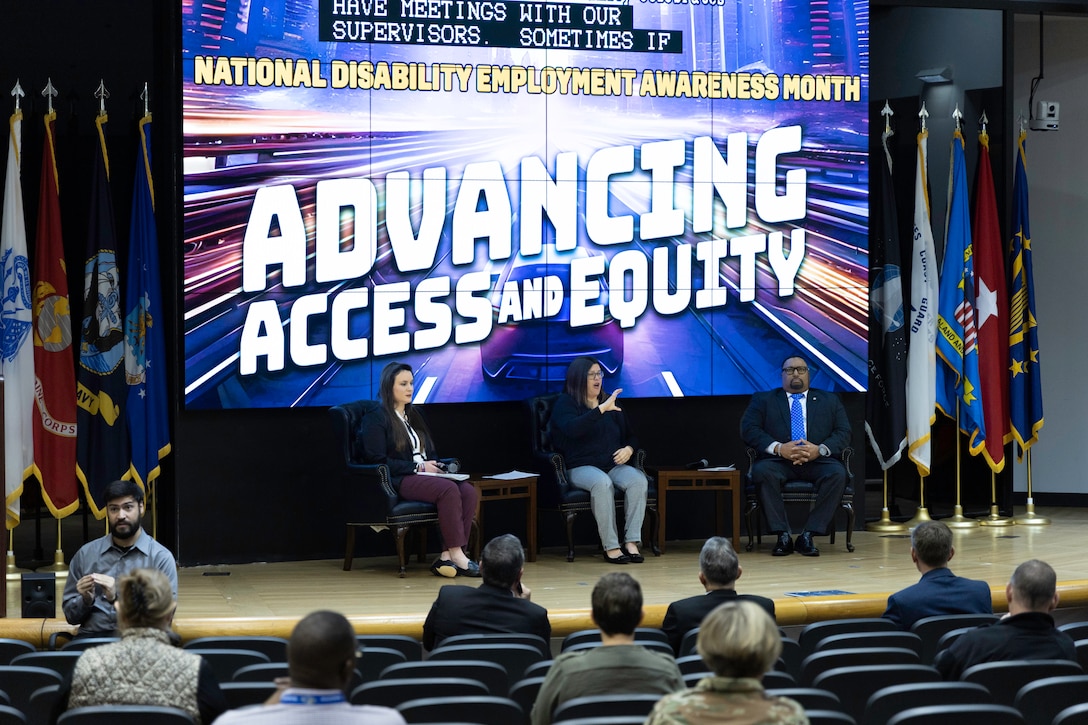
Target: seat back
{"type": "Point", "coordinates": [125, 715]}
{"type": "Point", "coordinates": [976, 714]}
{"type": "Point", "coordinates": [605, 705]}
{"type": "Point", "coordinates": [374, 661]}
{"type": "Point", "coordinates": [538, 669]}
{"type": "Point", "coordinates": [688, 642]}
{"type": "Point", "coordinates": [533, 640]}
{"type": "Point", "coordinates": [514, 658]}
{"type": "Point", "coordinates": [1004, 679]}
{"type": "Point", "coordinates": [829, 717]}
{"type": "Point", "coordinates": [360, 501]}
{"type": "Point", "coordinates": [391, 693]}
{"type": "Point", "coordinates": [1075, 630]}
{"type": "Point", "coordinates": [12, 648]}
{"type": "Point", "coordinates": [481, 709]}
{"type": "Point", "coordinates": [86, 643]}
{"type": "Point", "coordinates": [410, 646]}
{"type": "Point", "coordinates": [10, 716]}
{"type": "Point", "coordinates": [691, 664]}
{"type": "Point", "coordinates": [274, 647]}
{"type": "Point", "coordinates": [888, 701]}
{"type": "Point", "coordinates": [810, 698]}
{"type": "Point", "coordinates": [819, 662]}
{"type": "Point", "coordinates": [642, 636]}
{"type": "Point", "coordinates": [1073, 715]}
{"type": "Point", "coordinates": [776, 680]}
{"type": "Point", "coordinates": [524, 693]}
{"type": "Point", "coordinates": [20, 681]}
{"type": "Point", "coordinates": [849, 640]}
{"type": "Point", "coordinates": [260, 672]}
{"type": "Point", "coordinates": [855, 685]}
{"type": "Point", "coordinates": [556, 487]}
{"type": "Point", "coordinates": [931, 629]}
{"type": "Point", "coordinates": [243, 694]}
{"type": "Point", "coordinates": [648, 644]}
{"type": "Point", "coordinates": [790, 659]}
{"type": "Point", "coordinates": [1042, 700]}
{"type": "Point", "coordinates": [811, 635]}
{"type": "Point", "coordinates": [40, 703]}
{"type": "Point", "coordinates": [491, 674]}
{"type": "Point", "coordinates": [1082, 653]}
{"type": "Point", "coordinates": [224, 662]}
{"type": "Point", "coordinates": [60, 662]}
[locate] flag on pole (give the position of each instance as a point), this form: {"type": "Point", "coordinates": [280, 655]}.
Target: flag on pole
{"type": "Point", "coordinates": [957, 339]}
{"type": "Point", "coordinates": [885, 405]}
{"type": "Point", "coordinates": [16, 322]}
{"type": "Point", "coordinates": [921, 356]}
{"type": "Point", "coordinates": [1025, 384]}
{"type": "Point", "coordinates": [145, 345]}
{"type": "Point", "coordinates": [102, 444]}
{"type": "Point", "coordinates": [992, 309]}
{"type": "Point", "coordinates": [55, 383]}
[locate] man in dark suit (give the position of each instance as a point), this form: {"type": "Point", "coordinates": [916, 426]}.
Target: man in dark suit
{"type": "Point", "coordinates": [939, 591]}
{"type": "Point", "coordinates": [498, 606]}
{"type": "Point", "coordinates": [719, 570]}
{"type": "Point", "coordinates": [798, 433]}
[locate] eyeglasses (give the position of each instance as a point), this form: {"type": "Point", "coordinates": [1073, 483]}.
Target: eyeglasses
{"type": "Point", "coordinates": [595, 376]}
{"type": "Point", "coordinates": [797, 371]}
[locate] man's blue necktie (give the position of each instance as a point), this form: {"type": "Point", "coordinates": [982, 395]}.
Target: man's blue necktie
{"type": "Point", "coordinates": [797, 417]}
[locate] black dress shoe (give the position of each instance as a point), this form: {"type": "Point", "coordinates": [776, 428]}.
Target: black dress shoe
{"type": "Point", "coordinates": [784, 547]}
{"type": "Point", "coordinates": [635, 557]}
{"type": "Point", "coordinates": [804, 545]}
{"type": "Point", "coordinates": [621, 559]}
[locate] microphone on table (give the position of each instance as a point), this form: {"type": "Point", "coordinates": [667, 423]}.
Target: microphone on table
{"type": "Point", "coordinates": [696, 465]}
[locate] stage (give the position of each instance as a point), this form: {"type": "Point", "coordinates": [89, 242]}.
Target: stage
{"type": "Point", "coordinates": [269, 598]}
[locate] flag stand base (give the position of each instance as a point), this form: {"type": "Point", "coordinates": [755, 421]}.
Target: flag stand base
{"type": "Point", "coordinates": [58, 566]}
{"type": "Point", "coordinates": [885, 525]}
{"type": "Point", "coordinates": [14, 570]}
{"type": "Point", "coordinates": [958, 521]}
{"type": "Point", "coordinates": [922, 514]}
{"type": "Point", "coordinates": [995, 518]}
{"type": "Point", "coordinates": [1030, 518]}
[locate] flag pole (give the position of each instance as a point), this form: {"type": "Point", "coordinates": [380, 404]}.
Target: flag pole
{"type": "Point", "coordinates": [885, 525]}
{"type": "Point", "coordinates": [922, 514]}
{"type": "Point", "coordinates": [1030, 518]}
{"type": "Point", "coordinates": [12, 569]}
{"type": "Point", "coordinates": [995, 518]}
{"type": "Point", "coordinates": [58, 565]}
{"type": "Point", "coordinates": [957, 520]}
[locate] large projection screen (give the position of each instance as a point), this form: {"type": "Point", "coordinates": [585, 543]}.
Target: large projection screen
{"type": "Point", "coordinates": [486, 189]}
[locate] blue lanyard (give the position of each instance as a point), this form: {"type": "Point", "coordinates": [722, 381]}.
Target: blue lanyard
{"type": "Point", "coordinates": [328, 698]}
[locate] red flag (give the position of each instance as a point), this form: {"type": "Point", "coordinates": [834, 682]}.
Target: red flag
{"type": "Point", "coordinates": [992, 311]}
{"type": "Point", "coordinates": [55, 379]}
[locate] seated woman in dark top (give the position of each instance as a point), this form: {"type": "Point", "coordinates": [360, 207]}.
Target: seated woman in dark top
{"type": "Point", "coordinates": [591, 431]}
{"type": "Point", "coordinates": [396, 435]}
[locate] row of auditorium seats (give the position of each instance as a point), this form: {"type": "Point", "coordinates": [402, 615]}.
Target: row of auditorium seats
{"type": "Point", "coordinates": [834, 668]}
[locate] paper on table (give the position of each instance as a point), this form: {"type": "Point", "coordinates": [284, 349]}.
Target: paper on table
{"type": "Point", "coordinates": [511, 475]}
{"type": "Point", "coordinates": [451, 476]}
{"type": "Point", "coordinates": [719, 468]}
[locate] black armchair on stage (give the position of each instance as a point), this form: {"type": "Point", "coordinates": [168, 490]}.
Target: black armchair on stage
{"type": "Point", "coordinates": [555, 491]}
{"type": "Point", "coordinates": [801, 492]}
{"type": "Point", "coordinates": [369, 498]}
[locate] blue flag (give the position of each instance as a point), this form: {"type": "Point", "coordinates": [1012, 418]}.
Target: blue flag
{"type": "Point", "coordinates": [145, 346]}
{"type": "Point", "coordinates": [102, 441]}
{"type": "Point", "coordinates": [1025, 384]}
{"type": "Point", "coordinates": [957, 344]}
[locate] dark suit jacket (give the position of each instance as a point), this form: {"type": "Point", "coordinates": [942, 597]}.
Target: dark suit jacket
{"type": "Point", "coordinates": [767, 420]}
{"type": "Point", "coordinates": [484, 610]}
{"type": "Point", "coordinates": [686, 614]}
{"type": "Point", "coordinates": [939, 591]}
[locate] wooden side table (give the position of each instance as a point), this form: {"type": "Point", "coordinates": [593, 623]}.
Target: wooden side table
{"type": "Point", "coordinates": [494, 489]}
{"type": "Point", "coordinates": [683, 479]}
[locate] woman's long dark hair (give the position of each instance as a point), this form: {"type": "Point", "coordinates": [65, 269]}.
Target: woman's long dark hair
{"type": "Point", "coordinates": [401, 441]}
{"type": "Point", "coordinates": [577, 377]}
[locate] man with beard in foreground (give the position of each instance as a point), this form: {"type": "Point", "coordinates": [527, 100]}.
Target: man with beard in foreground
{"type": "Point", "coordinates": [90, 591]}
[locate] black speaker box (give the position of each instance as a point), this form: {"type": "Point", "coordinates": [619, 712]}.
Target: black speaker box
{"type": "Point", "coordinates": [39, 595]}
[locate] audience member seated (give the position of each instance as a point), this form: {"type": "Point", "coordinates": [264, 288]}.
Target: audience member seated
{"type": "Point", "coordinates": [145, 668]}
{"type": "Point", "coordinates": [1027, 632]}
{"type": "Point", "coordinates": [719, 570]}
{"type": "Point", "coordinates": [591, 431]}
{"type": "Point", "coordinates": [798, 433]}
{"type": "Point", "coordinates": [619, 665]}
{"type": "Point", "coordinates": [499, 605]}
{"type": "Point", "coordinates": [939, 591]}
{"type": "Point", "coordinates": [91, 586]}
{"type": "Point", "coordinates": [396, 435]}
{"type": "Point", "coordinates": [740, 643]}
{"type": "Point", "coordinates": [321, 663]}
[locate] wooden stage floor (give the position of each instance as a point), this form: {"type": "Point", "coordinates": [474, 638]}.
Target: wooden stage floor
{"type": "Point", "coordinates": [880, 564]}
